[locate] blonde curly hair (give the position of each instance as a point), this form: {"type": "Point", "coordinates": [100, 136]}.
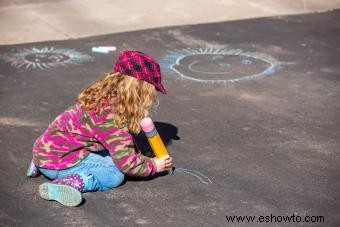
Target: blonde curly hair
{"type": "Point", "coordinates": [130, 99]}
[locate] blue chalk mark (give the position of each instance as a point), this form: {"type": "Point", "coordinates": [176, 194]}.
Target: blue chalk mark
{"type": "Point", "coordinates": [173, 58]}
{"type": "Point", "coordinates": [224, 65]}
{"type": "Point", "coordinates": [218, 57]}
{"type": "Point", "coordinates": [207, 72]}
{"type": "Point", "coordinates": [200, 176]}
{"type": "Point", "coordinates": [247, 61]}
{"type": "Point", "coordinates": [44, 58]}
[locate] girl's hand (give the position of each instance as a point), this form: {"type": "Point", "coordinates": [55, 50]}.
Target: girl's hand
{"type": "Point", "coordinates": [163, 163]}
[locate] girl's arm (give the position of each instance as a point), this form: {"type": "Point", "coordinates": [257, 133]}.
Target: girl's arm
{"type": "Point", "coordinates": [120, 144]}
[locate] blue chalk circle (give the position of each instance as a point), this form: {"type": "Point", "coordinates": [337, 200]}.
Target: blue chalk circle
{"type": "Point", "coordinates": [219, 66]}
{"type": "Point", "coordinates": [44, 58]}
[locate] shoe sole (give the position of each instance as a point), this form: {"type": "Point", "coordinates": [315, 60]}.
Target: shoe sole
{"type": "Point", "coordinates": [64, 194]}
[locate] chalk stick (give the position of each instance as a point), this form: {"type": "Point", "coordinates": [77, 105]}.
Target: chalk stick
{"type": "Point", "coordinates": [100, 50]}
{"type": "Point", "coordinates": [154, 139]}
{"type": "Point", "coordinates": [109, 48]}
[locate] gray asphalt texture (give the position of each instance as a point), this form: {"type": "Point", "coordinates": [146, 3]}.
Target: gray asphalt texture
{"type": "Point", "coordinates": [267, 145]}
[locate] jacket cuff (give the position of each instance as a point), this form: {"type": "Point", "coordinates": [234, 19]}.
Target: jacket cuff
{"type": "Point", "coordinates": [154, 167]}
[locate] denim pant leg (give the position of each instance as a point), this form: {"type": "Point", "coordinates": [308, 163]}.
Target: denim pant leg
{"type": "Point", "coordinates": [98, 172]}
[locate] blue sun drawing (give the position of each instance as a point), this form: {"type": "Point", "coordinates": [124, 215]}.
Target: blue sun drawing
{"type": "Point", "coordinates": [219, 66]}
{"type": "Point", "coordinates": [45, 58]}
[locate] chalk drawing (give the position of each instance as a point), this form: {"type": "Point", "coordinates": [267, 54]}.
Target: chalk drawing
{"type": "Point", "coordinates": [219, 66]}
{"type": "Point", "coordinates": [200, 176]}
{"type": "Point", "coordinates": [44, 58]}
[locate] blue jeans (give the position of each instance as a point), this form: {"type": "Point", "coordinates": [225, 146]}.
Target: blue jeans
{"type": "Point", "coordinates": [97, 170]}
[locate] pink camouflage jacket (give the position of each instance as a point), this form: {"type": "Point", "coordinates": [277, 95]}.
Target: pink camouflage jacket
{"type": "Point", "coordinates": [76, 132]}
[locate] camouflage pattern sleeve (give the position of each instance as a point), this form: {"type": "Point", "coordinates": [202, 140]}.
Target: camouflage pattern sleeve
{"type": "Point", "coordinates": [121, 146]}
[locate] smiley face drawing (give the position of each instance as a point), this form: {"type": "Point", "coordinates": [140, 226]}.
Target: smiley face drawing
{"type": "Point", "coordinates": [44, 58]}
{"type": "Point", "coordinates": [217, 66]}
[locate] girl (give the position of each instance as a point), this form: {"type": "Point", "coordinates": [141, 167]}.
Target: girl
{"type": "Point", "coordinates": [89, 147]}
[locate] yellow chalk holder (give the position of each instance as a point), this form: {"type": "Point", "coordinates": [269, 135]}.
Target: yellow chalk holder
{"type": "Point", "coordinates": [154, 139]}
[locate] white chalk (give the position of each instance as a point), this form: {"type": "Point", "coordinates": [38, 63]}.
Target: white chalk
{"type": "Point", "coordinates": [104, 49]}
{"type": "Point", "coordinates": [100, 50]}
{"type": "Point", "coordinates": [110, 48]}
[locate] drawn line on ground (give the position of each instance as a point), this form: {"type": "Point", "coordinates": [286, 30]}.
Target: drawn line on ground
{"type": "Point", "coordinates": [200, 176]}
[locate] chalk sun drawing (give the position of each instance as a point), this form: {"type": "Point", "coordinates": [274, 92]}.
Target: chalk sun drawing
{"type": "Point", "coordinates": [219, 66]}
{"type": "Point", "coordinates": [45, 58]}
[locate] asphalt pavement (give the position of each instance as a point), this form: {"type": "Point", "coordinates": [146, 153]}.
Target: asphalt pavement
{"type": "Point", "coordinates": [251, 119]}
